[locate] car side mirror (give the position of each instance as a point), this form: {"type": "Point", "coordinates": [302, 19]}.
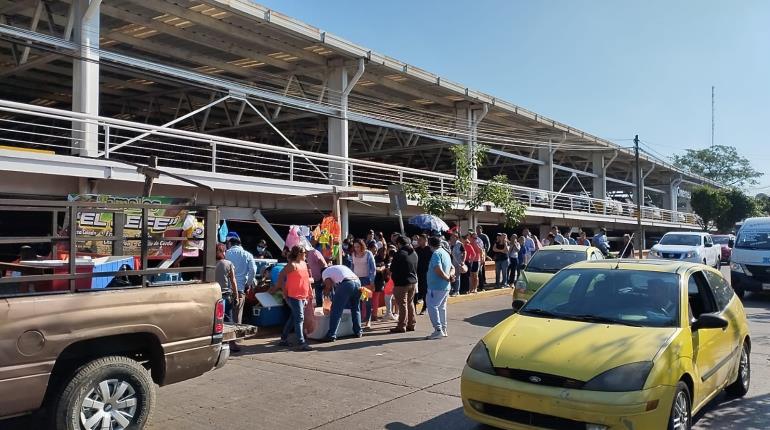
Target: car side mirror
{"type": "Point", "coordinates": [709, 321]}
{"type": "Point", "coordinates": [518, 304]}
{"type": "Point", "coordinates": [708, 245]}
{"type": "Point", "coordinates": [730, 243]}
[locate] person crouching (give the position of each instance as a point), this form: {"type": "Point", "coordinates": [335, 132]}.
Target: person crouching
{"type": "Point", "coordinates": [347, 292]}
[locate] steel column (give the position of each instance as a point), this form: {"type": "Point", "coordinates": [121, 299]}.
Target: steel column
{"type": "Point", "coordinates": [85, 76]}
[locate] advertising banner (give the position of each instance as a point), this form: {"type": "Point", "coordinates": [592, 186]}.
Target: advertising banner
{"type": "Point", "coordinates": [161, 223]}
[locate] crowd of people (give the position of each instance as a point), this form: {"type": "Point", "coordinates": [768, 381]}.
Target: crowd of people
{"type": "Point", "coordinates": [406, 273]}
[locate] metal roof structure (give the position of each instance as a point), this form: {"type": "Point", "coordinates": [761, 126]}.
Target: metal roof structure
{"type": "Point", "coordinates": [238, 70]}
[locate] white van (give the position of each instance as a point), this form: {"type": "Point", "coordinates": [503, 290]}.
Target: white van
{"type": "Point", "coordinates": [750, 261]}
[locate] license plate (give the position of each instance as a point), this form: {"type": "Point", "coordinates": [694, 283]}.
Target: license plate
{"type": "Point", "coordinates": [766, 286]}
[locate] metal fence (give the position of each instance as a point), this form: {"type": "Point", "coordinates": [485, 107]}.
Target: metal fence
{"type": "Point", "coordinates": [64, 132]}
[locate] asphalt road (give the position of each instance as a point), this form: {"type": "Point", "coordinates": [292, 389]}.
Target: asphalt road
{"type": "Point", "coordinates": [393, 382]}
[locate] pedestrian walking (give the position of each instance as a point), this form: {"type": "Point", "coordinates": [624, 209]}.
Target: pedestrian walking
{"type": "Point", "coordinates": [501, 250]}
{"type": "Point", "coordinates": [245, 271]}
{"type": "Point", "coordinates": [440, 276]}
{"type": "Point", "coordinates": [424, 253]}
{"type": "Point", "coordinates": [403, 270]}
{"type": "Point", "coordinates": [346, 287]}
{"type": "Point", "coordinates": [294, 281]}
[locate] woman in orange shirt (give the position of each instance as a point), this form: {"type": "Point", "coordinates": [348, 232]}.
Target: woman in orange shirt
{"type": "Point", "coordinates": [295, 282]}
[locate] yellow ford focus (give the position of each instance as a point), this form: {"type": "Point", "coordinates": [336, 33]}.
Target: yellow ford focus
{"type": "Point", "coordinates": [612, 345]}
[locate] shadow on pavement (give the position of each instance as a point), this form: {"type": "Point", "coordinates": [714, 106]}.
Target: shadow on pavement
{"type": "Point", "coordinates": [452, 420]}
{"type": "Point", "coordinates": [342, 344]}
{"type": "Point", "coordinates": [750, 413]}
{"type": "Point", "coordinates": [489, 319]}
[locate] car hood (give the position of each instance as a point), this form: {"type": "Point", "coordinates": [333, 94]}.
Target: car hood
{"type": "Point", "coordinates": [572, 349]}
{"type": "Point", "coordinates": [760, 257]}
{"type": "Point", "coordinates": [535, 280]}
{"type": "Point", "coordinates": [674, 248]}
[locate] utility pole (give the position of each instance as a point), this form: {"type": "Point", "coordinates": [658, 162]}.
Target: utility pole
{"type": "Point", "coordinates": [712, 116]}
{"type": "Point", "coordinates": [639, 196]}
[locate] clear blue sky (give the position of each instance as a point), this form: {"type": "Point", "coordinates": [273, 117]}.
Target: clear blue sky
{"type": "Point", "coordinates": [611, 68]}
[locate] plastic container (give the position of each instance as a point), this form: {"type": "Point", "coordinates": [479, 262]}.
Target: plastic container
{"type": "Point", "coordinates": [322, 325]}
{"type": "Point", "coordinates": [109, 264]}
{"type": "Point", "coordinates": [275, 271]}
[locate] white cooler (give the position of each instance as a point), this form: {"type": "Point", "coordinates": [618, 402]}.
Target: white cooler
{"type": "Point", "coordinates": [322, 325]}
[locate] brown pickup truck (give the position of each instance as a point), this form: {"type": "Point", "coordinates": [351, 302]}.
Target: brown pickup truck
{"type": "Point", "coordinates": [89, 357]}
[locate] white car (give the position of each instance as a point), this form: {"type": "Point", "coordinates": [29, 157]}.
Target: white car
{"type": "Point", "coordinates": [695, 247]}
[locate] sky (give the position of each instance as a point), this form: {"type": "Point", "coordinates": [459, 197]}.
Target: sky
{"type": "Point", "coordinates": [610, 68]}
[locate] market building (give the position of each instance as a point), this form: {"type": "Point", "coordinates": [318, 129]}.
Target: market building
{"type": "Point", "coordinates": [276, 115]}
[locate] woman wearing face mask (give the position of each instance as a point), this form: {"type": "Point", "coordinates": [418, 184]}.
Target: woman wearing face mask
{"type": "Point", "coordinates": [262, 251]}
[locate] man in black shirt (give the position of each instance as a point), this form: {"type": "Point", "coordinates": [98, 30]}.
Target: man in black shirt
{"type": "Point", "coordinates": [262, 251]}
{"type": "Point", "coordinates": [403, 271]}
{"type": "Point", "coordinates": [424, 253]}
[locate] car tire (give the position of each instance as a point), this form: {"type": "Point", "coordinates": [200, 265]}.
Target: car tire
{"type": "Point", "coordinates": [740, 386]}
{"type": "Point", "coordinates": [127, 385]}
{"type": "Point", "coordinates": [680, 417]}
{"type": "Point", "coordinates": [718, 265]}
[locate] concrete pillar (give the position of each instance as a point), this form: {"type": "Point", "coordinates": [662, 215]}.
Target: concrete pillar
{"type": "Point", "coordinates": [85, 77]}
{"type": "Point", "coordinates": [545, 170]}
{"type": "Point", "coordinates": [599, 190]}
{"type": "Point", "coordinates": [338, 143]}
{"type": "Point", "coordinates": [671, 195]}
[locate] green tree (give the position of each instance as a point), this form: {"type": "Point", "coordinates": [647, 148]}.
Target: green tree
{"type": "Point", "coordinates": [763, 204]}
{"type": "Point", "coordinates": [719, 163]}
{"type": "Point", "coordinates": [495, 191]}
{"type": "Point", "coordinates": [740, 207]}
{"type": "Point", "coordinates": [709, 204]}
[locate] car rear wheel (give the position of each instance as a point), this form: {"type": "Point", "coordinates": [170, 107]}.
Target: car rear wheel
{"type": "Point", "coordinates": [740, 386]}
{"type": "Point", "coordinates": [680, 418]}
{"type": "Point", "coordinates": [114, 393]}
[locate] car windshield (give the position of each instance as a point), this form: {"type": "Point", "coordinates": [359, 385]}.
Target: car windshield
{"type": "Point", "coordinates": [551, 261]}
{"type": "Point", "coordinates": [681, 239]}
{"type": "Point", "coordinates": [721, 240]}
{"type": "Point", "coordinates": [609, 296]}
{"type": "Point", "coordinates": [753, 239]}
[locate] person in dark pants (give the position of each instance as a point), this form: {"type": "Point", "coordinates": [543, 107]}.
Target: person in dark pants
{"type": "Point", "coordinates": [403, 270]}
{"type": "Point", "coordinates": [347, 293]}
{"type": "Point", "coordinates": [424, 253]}
{"type": "Point", "coordinates": [487, 244]}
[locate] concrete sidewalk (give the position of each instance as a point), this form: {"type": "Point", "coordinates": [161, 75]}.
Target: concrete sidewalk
{"type": "Point", "coordinates": [383, 380]}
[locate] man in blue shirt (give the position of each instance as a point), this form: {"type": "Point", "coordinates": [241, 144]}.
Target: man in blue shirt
{"type": "Point", "coordinates": [440, 275]}
{"type": "Point", "coordinates": [245, 270]}
{"type": "Point", "coordinates": [529, 243]}
{"type": "Point", "coordinates": [600, 241]}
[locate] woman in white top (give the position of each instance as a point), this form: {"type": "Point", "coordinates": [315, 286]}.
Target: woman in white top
{"type": "Point", "coordinates": [365, 268]}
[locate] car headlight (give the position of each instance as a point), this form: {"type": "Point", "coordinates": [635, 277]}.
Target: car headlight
{"type": "Point", "coordinates": [521, 284]}
{"type": "Point", "coordinates": [479, 359]}
{"type": "Point", "coordinates": [628, 377]}
{"type": "Point", "coordinates": [690, 254]}
{"type": "Point", "coordinates": [737, 268]}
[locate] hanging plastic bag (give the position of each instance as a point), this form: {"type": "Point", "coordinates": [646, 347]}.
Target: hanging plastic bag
{"type": "Point", "coordinates": [293, 239]}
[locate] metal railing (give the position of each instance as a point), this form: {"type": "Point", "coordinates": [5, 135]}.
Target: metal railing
{"type": "Point", "coordinates": [65, 132]}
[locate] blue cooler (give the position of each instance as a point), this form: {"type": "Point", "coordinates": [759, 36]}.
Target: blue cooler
{"type": "Point", "coordinates": [270, 315]}
{"type": "Point", "coordinates": [275, 271]}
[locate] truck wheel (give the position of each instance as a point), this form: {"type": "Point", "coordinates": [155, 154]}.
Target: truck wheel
{"type": "Point", "coordinates": [114, 393]}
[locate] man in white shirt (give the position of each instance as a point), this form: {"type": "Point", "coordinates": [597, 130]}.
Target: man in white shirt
{"type": "Point", "coordinates": [347, 292]}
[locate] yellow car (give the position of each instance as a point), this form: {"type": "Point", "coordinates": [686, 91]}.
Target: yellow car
{"type": "Point", "coordinates": [549, 260]}
{"type": "Point", "coordinates": [612, 344]}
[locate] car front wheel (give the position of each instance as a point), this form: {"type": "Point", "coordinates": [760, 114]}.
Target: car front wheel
{"type": "Point", "coordinates": [680, 418]}
{"type": "Point", "coordinates": [109, 393]}
{"type": "Point", "coordinates": [740, 386]}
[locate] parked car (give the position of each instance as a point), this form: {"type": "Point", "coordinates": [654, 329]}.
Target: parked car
{"type": "Point", "coordinates": [549, 260]}
{"type": "Point", "coordinates": [750, 259]}
{"type": "Point", "coordinates": [90, 355]}
{"type": "Point", "coordinates": [695, 247]}
{"type": "Point", "coordinates": [611, 345]}
{"type": "Point", "coordinates": [726, 242]}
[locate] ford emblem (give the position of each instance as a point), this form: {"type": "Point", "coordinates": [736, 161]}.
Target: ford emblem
{"type": "Point", "coordinates": [535, 379]}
